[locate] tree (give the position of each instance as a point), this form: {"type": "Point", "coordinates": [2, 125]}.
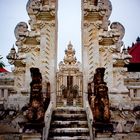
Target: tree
{"type": "Point", "coordinates": [1, 62]}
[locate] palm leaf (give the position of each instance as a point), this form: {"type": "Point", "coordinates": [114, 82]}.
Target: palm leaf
{"type": "Point", "coordinates": [2, 64]}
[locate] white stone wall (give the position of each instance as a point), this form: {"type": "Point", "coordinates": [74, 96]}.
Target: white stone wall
{"type": "Point", "coordinates": [36, 47]}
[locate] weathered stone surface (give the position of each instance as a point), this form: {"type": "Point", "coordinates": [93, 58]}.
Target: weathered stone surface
{"type": "Point", "coordinates": [101, 47]}
{"type": "Point", "coordinates": [69, 123]}
{"type": "Point", "coordinates": [31, 136]}
{"type": "Point", "coordinates": [98, 98]}
{"type": "Point", "coordinates": [36, 47]}
{"type": "Point", "coordinates": [69, 80]}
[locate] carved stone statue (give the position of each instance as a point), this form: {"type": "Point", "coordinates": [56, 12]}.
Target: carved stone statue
{"type": "Point", "coordinates": [35, 112]}
{"type": "Point", "coordinates": [89, 93]}
{"type": "Point", "coordinates": [21, 31]}
{"type": "Point", "coordinates": [100, 101]}
{"type": "Point", "coordinates": [98, 78]}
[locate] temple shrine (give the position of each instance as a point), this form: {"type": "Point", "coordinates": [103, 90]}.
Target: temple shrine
{"type": "Point", "coordinates": [96, 99]}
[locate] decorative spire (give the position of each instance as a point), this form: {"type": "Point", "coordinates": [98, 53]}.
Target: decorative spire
{"type": "Point", "coordinates": [124, 50]}
{"type": "Point", "coordinates": [138, 39]}
{"type": "Point", "coordinates": [70, 55]}
{"type": "Point", "coordinates": [13, 48]}
{"type": "Point", "coordinates": [12, 54]}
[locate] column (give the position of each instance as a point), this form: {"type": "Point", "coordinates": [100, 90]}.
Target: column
{"type": "Point", "coordinates": [138, 92]}
{"type": "Point", "coordinates": [5, 94]}
{"type": "Point", "coordinates": [64, 80]}
{"type": "Point", "coordinates": [131, 93]}
{"type": "Point", "coordinates": [74, 80]}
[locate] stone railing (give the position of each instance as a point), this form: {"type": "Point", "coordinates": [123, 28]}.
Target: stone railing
{"type": "Point", "coordinates": [89, 116]}
{"type": "Point", "coordinates": [47, 119]}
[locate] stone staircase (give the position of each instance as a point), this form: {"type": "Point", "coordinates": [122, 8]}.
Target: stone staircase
{"type": "Point", "coordinates": [69, 123]}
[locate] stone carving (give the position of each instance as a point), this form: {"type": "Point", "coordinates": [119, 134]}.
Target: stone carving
{"type": "Point", "coordinates": [108, 8]}
{"type": "Point", "coordinates": [69, 79]}
{"type": "Point", "coordinates": [33, 6]}
{"type": "Point", "coordinates": [17, 59]}
{"type": "Point", "coordinates": [121, 30]}
{"type": "Point", "coordinates": [69, 57]}
{"type": "Point", "coordinates": [21, 31]}
{"type": "Point", "coordinates": [36, 110]}
{"type": "Point", "coordinates": [95, 2]}
{"type": "Point", "coordinates": [119, 27]}
{"type": "Point", "coordinates": [120, 59]}
{"type": "Point", "coordinates": [45, 2]}
{"type": "Point", "coordinates": [100, 101]}
{"type": "Point", "coordinates": [12, 56]}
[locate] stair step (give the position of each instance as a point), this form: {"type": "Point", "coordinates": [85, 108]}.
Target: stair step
{"type": "Point", "coordinates": [70, 110]}
{"type": "Point", "coordinates": [69, 123]}
{"type": "Point", "coordinates": [69, 132]}
{"type": "Point", "coordinates": [69, 117]}
{"type": "Point", "coordinates": [62, 124]}
{"type": "Point", "coordinates": [70, 138]}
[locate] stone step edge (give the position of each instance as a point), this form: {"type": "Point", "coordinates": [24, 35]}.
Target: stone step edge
{"type": "Point", "coordinates": [69, 122]}
{"type": "Point", "coordinates": [69, 115]}
{"type": "Point", "coordinates": [69, 109]}
{"type": "Point", "coordinates": [69, 130]}
{"type": "Point", "coordinates": [70, 138]}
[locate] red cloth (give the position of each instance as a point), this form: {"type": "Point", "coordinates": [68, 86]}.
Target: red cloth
{"type": "Point", "coordinates": [135, 53]}
{"type": "Point", "coordinates": [3, 70]}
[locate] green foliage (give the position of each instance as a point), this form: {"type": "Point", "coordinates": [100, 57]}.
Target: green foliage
{"type": "Point", "coordinates": [1, 62]}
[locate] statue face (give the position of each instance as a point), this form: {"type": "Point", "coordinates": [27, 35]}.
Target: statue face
{"type": "Point", "coordinates": [35, 104]}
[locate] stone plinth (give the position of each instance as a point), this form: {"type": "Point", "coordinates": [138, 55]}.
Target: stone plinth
{"type": "Point", "coordinates": [10, 137]}
{"type": "Point", "coordinates": [32, 127]}
{"type": "Point", "coordinates": [103, 130]}
{"type": "Point", "coordinates": [31, 136]}
{"type": "Point", "coordinates": [104, 137]}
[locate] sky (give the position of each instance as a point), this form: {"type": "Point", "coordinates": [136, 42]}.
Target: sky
{"type": "Point", "coordinates": [69, 23]}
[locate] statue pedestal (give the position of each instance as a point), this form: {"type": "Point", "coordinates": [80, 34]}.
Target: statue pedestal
{"type": "Point", "coordinates": [103, 130]}
{"type": "Point", "coordinates": [31, 136]}
{"type": "Point", "coordinates": [32, 127]}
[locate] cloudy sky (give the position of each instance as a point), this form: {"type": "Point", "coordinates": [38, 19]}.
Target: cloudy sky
{"type": "Point", "coordinates": [69, 15]}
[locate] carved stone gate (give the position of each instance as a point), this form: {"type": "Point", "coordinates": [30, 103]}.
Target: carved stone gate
{"type": "Point", "coordinates": [69, 80]}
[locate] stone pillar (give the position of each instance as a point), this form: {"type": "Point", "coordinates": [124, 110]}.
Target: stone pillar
{"type": "Point", "coordinates": [5, 94]}
{"type": "Point", "coordinates": [74, 80]}
{"type": "Point", "coordinates": [131, 93]}
{"type": "Point", "coordinates": [65, 80]}
{"type": "Point", "coordinates": [138, 92]}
